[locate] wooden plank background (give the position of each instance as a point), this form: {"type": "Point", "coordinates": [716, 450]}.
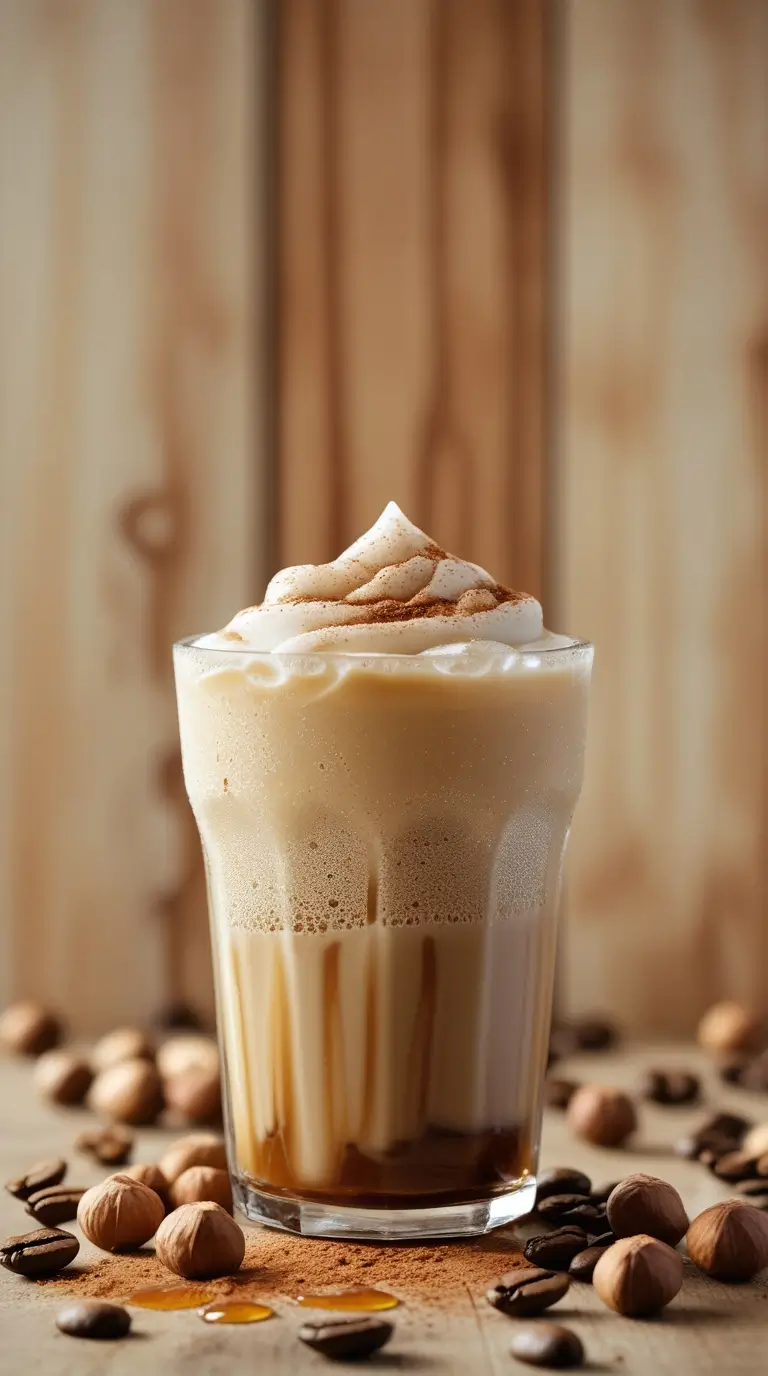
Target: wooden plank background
{"type": "Point", "coordinates": [128, 245]}
{"type": "Point", "coordinates": [511, 271]}
{"type": "Point", "coordinates": [663, 510]}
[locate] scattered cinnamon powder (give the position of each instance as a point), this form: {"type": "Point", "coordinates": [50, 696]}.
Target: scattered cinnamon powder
{"type": "Point", "coordinates": [279, 1265]}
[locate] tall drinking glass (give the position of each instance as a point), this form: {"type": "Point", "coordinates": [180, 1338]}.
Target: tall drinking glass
{"type": "Point", "coordinates": [383, 838]}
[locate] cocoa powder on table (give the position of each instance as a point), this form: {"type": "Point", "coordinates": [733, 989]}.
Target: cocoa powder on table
{"type": "Point", "coordinates": [279, 1265]}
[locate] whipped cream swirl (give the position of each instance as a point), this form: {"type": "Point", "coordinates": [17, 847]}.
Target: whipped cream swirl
{"type": "Point", "coordinates": [392, 592]}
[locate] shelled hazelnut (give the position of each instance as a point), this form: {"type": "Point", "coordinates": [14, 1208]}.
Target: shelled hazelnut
{"type": "Point", "coordinates": [755, 1142]}
{"type": "Point", "coordinates": [601, 1115]}
{"type": "Point", "coordinates": [644, 1204]}
{"type": "Point", "coordinates": [638, 1276]}
{"type": "Point", "coordinates": [199, 1183]}
{"type": "Point", "coordinates": [200, 1241]}
{"type": "Point", "coordinates": [727, 1027]}
{"type": "Point", "coordinates": [120, 1214]}
{"type": "Point", "coordinates": [129, 1092]}
{"type": "Point", "coordinates": [197, 1149]}
{"type": "Point", "coordinates": [29, 1029]}
{"type": "Point", "coordinates": [182, 1053]}
{"type": "Point", "coordinates": [123, 1044]}
{"type": "Point", "coordinates": [729, 1241]}
{"type": "Point", "coordinates": [62, 1077]}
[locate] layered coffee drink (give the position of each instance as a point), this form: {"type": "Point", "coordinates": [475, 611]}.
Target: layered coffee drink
{"type": "Point", "coordinates": [383, 759]}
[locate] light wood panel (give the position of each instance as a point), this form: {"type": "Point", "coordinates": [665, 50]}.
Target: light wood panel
{"type": "Point", "coordinates": [664, 516]}
{"type": "Point", "coordinates": [129, 276]}
{"type": "Point", "coordinates": [412, 249]}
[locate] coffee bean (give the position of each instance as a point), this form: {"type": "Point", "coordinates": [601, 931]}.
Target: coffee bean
{"type": "Point", "coordinates": [570, 1208]}
{"type": "Point", "coordinates": [40, 1253]}
{"type": "Point", "coordinates": [724, 1125]}
{"type": "Point", "coordinates": [670, 1087]}
{"type": "Point", "coordinates": [94, 1319]}
{"type": "Point", "coordinates": [347, 1339]}
{"type": "Point", "coordinates": [594, 1034]}
{"type": "Point", "coordinates": [555, 1250]}
{"type": "Point", "coordinates": [584, 1263]}
{"type": "Point", "coordinates": [111, 1146]}
{"type": "Point", "coordinates": [730, 1072]}
{"type": "Point", "coordinates": [606, 1239]}
{"type": "Point", "coordinates": [734, 1166]}
{"type": "Point", "coordinates": [599, 1194]}
{"type": "Point", "coordinates": [561, 1180]}
{"type": "Point", "coordinates": [756, 1185]}
{"type": "Point", "coordinates": [548, 1344]}
{"type": "Point", "coordinates": [39, 1177]}
{"type": "Point", "coordinates": [55, 1205]}
{"type": "Point", "coordinates": [179, 1017]}
{"type": "Point", "coordinates": [558, 1093]}
{"type": "Point", "coordinates": [530, 1290]}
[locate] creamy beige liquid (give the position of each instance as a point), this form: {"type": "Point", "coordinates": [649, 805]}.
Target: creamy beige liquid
{"type": "Point", "coordinates": [384, 844]}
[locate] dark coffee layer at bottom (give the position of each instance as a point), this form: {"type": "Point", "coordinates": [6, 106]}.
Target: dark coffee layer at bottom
{"type": "Point", "coordinates": [439, 1168]}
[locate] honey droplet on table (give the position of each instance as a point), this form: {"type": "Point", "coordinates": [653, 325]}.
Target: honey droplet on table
{"type": "Point", "coordinates": [350, 1301]}
{"type": "Point", "coordinates": [236, 1311]}
{"type": "Point", "coordinates": [167, 1297]}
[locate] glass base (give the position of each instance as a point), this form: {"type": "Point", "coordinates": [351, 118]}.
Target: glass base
{"type": "Point", "coordinates": [383, 1225]}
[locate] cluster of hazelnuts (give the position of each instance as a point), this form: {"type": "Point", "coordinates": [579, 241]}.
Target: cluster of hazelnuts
{"type": "Point", "coordinates": [126, 1078]}
{"type": "Point", "coordinates": [184, 1202]}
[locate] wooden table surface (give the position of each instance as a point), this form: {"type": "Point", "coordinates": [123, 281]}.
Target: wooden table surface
{"type": "Point", "coordinates": [708, 1329]}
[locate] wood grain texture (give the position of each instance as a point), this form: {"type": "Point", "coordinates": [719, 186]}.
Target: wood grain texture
{"type": "Point", "coordinates": [127, 151]}
{"type": "Point", "coordinates": [664, 518]}
{"type": "Point", "coordinates": [710, 1329]}
{"type": "Point", "coordinates": [412, 248]}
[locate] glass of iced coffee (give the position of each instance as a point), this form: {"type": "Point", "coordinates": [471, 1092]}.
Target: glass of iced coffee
{"type": "Point", "coordinates": [383, 759]}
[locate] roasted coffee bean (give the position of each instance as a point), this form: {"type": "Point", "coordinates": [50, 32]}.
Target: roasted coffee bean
{"type": "Point", "coordinates": [570, 1208]}
{"type": "Point", "coordinates": [40, 1253]}
{"type": "Point", "coordinates": [39, 1177]}
{"type": "Point", "coordinates": [734, 1166]}
{"type": "Point", "coordinates": [111, 1146]}
{"type": "Point", "coordinates": [179, 1017]}
{"type": "Point", "coordinates": [594, 1034]}
{"type": "Point", "coordinates": [54, 1206]}
{"type": "Point", "coordinates": [528, 1291]}
{"type": "Point", "coordinates": [754, 1185]}
{"type": "Point", "coordinates": [558, 1093]}
{"type": "Point", "coordinates": [561, 1180]}
{"type": "Point", "coordinates": [705, 1149]}
{"type": "Point", "coordinates": [606, 1239]}
{"type": "Point", "coordinates": [94, 1319]}
{"type": "Point", "coordinates": [347, 1339]}
{"type": "Point", "coordinates": [584, 1263]}
{"type": "Point", "coordinates": [548, 1344]}
{"type": "Point", "coordinates": [556, 1250]}
{"type": "Point", "coordinates": [670, 1087]}
{"type": "Point", "coordinates": [728, 1125]}
{"type": "Point", "coordinates": [730, 1072]}
{"type": "Point", "coordinates": [599, 1194]}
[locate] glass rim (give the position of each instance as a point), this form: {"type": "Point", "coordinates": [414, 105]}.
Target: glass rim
{"type": "Point", "coordinates": [190, 642]}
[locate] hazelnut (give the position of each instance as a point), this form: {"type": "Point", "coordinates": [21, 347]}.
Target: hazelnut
{"type": "Point", "coordinates": [645, 1204]}
{"type": "Point", "coordinates": [130, 1092]}
{"type": "Point", "coordinates": [755, 1142]}
{"type": "Point", "coordinates": [200, 1241]}
{"type": "Point", "coordinates": [152, 1177]}
{"type": "Point", "coordinates": [124, 1044]}
{"type": "Point", "coordinates": [195, 1095]}
{"type": "Point", "coordinates": [28, 1029]}
{"type": "Point", "coordinates": [62, 1078]}
{"type": "Point", "coordinates": [729, 1241]}
{"type": "Point", "coordinates": [119, 1214]}
{"type": "Point", "coordinates": [601, 1115]}
{"type": "Point", "coordinates": [638, 1275]}
{"type": "Point", "coordinates": [180, 1054]}
{"type": "Point", "coordinates": [198, 1149]}
{"type": "Point", "coordinates": [200, 1183]}
{"type": "Point", "coordinates": [727, 1027]}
